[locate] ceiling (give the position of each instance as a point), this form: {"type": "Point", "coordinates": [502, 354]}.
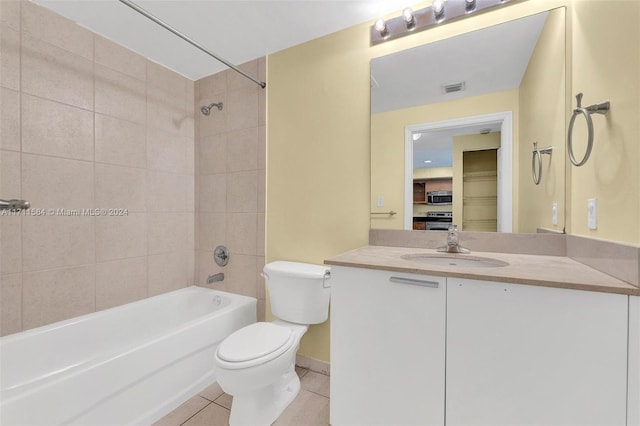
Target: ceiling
{"type": "Point", "coordinates": [235, 30]}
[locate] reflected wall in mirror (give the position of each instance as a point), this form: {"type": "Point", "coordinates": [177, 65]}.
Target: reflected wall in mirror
{"type": "Point", "coordinates": [479, 100]}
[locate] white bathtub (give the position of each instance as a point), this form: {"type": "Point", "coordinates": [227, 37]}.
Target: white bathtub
{"type": "Point", "coordinates": [127, 365]}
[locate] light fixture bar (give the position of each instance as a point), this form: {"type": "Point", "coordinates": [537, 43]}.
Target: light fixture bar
{"type": "Point", "coordinates": [429, 17]}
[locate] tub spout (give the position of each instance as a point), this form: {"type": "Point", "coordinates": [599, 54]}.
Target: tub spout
{"type": "Point", "coordinates": [215, 278]}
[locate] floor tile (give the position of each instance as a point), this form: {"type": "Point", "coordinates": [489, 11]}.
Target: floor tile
{"type": "Point", "coordinates": [183, 412]}
{"type": "Point", "coordinates": [224, 400]}
{"type": "Point", "coordinates": [212, 392]}
{"type": "Point", "coordinates": [316, 383]}
{"type": "Point", "coordinates": [212, 415]}
{"type": "Point", "coordinates": [301, 371]}
{"type": "Point", "coordinates": [308, 409]}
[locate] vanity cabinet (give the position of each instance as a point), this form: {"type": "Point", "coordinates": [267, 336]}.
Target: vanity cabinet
{"type": "Point", "coordinates": [387, 348]}
{"type": "Point", "coordinates": [528, 355]}
{"type": "Point", "coordinates": [512, 354]}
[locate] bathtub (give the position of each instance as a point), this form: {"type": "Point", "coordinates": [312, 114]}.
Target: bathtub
{"type": "Point", "coordinates": [122, 366]}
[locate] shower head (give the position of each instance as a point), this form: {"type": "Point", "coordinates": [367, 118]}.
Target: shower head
{"type": "Point", "coordinates": [206, 110]}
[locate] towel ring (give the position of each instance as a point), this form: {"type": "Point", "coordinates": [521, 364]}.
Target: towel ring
{"type": "Point", "coordinates": [537, 153]}
{"type": "Point", "coordinates": [601, 108]}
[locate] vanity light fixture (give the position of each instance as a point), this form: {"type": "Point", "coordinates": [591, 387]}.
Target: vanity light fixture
{"type": "Point", "coordinates": [381, 28]}
{"type": "Point", "coordinates": [439, 13]}
{"type": "Point", "coordinates": [409, 19]}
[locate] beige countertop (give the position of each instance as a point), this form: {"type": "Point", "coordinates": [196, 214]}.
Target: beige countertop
{"type": "Point", "coordinates": [546, 271]}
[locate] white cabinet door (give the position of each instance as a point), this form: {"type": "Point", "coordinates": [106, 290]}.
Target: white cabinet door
{"type": "Point", "coordinates": [387, 348]}
{"type": "Point", "coordinates": [525, 355]}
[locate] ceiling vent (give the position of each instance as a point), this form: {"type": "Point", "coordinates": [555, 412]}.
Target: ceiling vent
{"type": "Point", "coordinates": [453, 87]}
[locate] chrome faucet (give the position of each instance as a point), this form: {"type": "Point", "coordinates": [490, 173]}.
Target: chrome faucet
{"type": "Point", "coordinates": [453, 246]}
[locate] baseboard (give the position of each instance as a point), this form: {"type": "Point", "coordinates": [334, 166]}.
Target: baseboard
{"type": "Point", "coordinates": [313, 365]}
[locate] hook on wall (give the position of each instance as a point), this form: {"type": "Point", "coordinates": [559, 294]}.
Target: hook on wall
{"type": "Point", "coordinates": [601, 108]}
{"type": "Point", "coordinates": [537, 155]}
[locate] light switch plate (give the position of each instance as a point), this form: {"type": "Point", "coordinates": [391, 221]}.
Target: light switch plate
{"type": "Point", "coordinates": [592, 213]}
{"type": "Point", "coordinates": [554, 214]}
{"type": "Point", "coordinates": [380, 202]}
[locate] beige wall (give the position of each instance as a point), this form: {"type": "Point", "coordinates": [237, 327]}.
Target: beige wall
{"type": "Point", "coordinates": [387, 146]}
{"type": "Point", "coordinates": [606, 55]}
{"type": "Point", "coordinates": [230, 180]}
{"type": "Point", "coordinates": [542, 119]}
{"type": "Point", "coordinates": [87, 123]}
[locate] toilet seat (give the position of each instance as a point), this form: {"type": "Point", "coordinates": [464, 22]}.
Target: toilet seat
{"type": "Point", "coordinates": [253, 345]}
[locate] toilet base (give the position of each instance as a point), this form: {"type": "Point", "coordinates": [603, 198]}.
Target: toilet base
{"type": "Point", "coordinates": [263, 406]}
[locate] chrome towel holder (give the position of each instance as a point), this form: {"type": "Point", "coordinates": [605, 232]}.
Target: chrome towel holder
{"type": "Point", "coordinates": [537, 153]}
{"type": "Point", "coordinates": [601, 108]}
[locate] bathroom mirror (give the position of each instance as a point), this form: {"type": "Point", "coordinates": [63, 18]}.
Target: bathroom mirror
{"type": "Point", "coordinates": [453, 124]}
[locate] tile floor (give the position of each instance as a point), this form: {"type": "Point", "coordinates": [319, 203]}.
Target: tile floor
{"type": "Point", "coordinates": [211, 406]}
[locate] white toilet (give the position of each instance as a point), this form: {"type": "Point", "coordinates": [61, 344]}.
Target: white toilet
{"type": "Point", "coordinates": [256, 364]}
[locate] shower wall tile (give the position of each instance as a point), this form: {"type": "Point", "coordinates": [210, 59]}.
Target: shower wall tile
{"type": "Point", "coordinates": [212, 230]}
{"type": "Point", "coordinates": [10, 13]}
{"type": "Point", "coordinates": [52, 128]}
{"type": "Point", "coordinates": [242, 192]}
{"type": "Point", "coordinates": [212, 193]}
{"type": "Point", "coordinates": [10, 304]}
{"type": "Point", "coordinates": [10, 58]}
{"type": "Point", "coordinates": [260, 235]}
{"type": "Point", "coordinates": [241, 274]}
{"type": "Point", "coordinates": [119, 95]}
{"type": "Point", "coordinates": [120, 281]}
{"type": "Point", "coordinates": [167, 232]}
{"type": "Point", "coordinates": [205, 266]}
{"type": "Point", "coordinates": [242, 150]}
{"type": "Point", "coordinates": [166, 151]}
{"type": "Point", "coordinates": [165, 79]}
{"type": "Point", "coordinates": [120, 142]}
{"type": "Point", "coordinates": [10, 119]}
{"type": "Point", "coordinates": [57, 30]}
{"type": "Point", "coordinates": [56, 74]}
{"type": "Point", "coordinates": [167, 272]}
{"type": "Point", "coordinates": [78, 111]}
{"type": "Point", "coordinates": [261, 287]}
{"type": "Point", "coordinates": [120, 188]}
{"type": "Point", "coordinates": [262, 184]}
{"type": "Point", "coordinates": [262, 147]}
{"type": "Point", "coordinates": [242, 108]}
{"type": "Point", "coordinates": [57, 183]}
{"type": "Point", "coordinates": [57, 241]}
{"type": "Point", "coordinates": [243, 238]}
{"type": "Point", "coordinates": [56, 295]}
{"type": "Point", "coordinates": [10, 183]}
{"type": "Point", "coordinates": [210, 86]}
{"type": "Point", "coordinates": [212, 154]}
{"type": "Point", "coordinates": [119, 58]}
{"type": "Point", "coordinates": [10, 244]}
{"type": "Point", "coordinates": [167, 192]}
{"type": "Point", "coordinates": [166, 111]}
{"type": "Point", "coordinates": [121, 237]}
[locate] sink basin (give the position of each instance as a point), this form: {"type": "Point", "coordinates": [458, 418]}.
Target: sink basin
{"type": "Point", "coordinates": [458, 260]}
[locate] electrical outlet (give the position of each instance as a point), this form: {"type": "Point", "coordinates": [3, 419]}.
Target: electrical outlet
{"type": "Point", "coordinates": [380, 202]}
{"type": "Point", "coordinates": [592, 213]}
{"type": "Point", "coordinates": [554, 214]}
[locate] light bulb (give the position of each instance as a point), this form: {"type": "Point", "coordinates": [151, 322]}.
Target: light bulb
{"type": "Point", "coordinates": [438, 9]}
{"type": "Point", "coordinates": [470, 5]}
{"type": "Point", "coordinates": [381, 27]}
{"type": "Point", "coordinates": [409, 19]}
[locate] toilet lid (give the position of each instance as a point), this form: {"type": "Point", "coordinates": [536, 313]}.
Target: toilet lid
{"type": "Point", "coordinates": [254, 341]}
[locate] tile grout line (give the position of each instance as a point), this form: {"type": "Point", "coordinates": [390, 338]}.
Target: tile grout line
{"type": "Point", "coordinates": [196, 413]}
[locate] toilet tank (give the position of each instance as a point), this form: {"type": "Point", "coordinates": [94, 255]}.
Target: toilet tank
{"type": "Point", "coordinates": [298, 292]}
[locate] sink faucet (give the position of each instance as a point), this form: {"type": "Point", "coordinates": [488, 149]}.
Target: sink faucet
{"type": "Point", "coordinates": [453, 245]}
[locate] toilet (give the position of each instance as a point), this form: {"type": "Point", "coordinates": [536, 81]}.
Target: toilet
{"type": "Point", "coordinates": [256, 364]}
